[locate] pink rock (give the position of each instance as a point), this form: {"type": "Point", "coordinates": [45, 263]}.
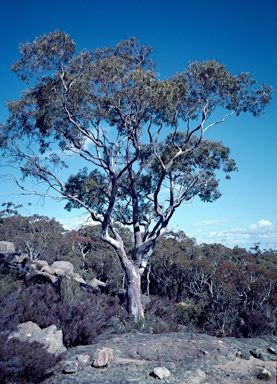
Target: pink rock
{"type": "Point", "coordinates": [102, 358]}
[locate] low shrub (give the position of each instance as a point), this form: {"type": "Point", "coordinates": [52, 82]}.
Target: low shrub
{"type": "Point", "coordinates": [83, 321]}
{"type": "Point", "coordinates": [22, 362]}
{"type": "Point", "coordinates": [81, 317]}
{"type": "Point", "coordinates": [168, 316]}
{"type": "Point", "coordinates": [187, 313]}
{"type": "Point", "coordinates": [254, 323]}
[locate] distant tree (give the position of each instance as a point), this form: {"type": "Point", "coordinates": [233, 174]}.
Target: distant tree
{"type": "Point", "coordinates": [38, 236]}
{"type": "Point", "coordinates": [140, 137]}
{"type": "Point", "coordinates": [168, 270]}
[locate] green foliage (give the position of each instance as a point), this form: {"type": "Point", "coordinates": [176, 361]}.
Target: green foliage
{"type": "Point", "coordinates": [38, 236]}
{"type": "Point", "coordinates": [8, 283]}
{"type": "Point", "coordinates": [191, 287]}
{"type": "Point", "coordinates": [74, 94]}
{"type": "Point", "coordinates": [91, 188]}
{"type": "Point", "coordinates": [223, 290]}
{"type": "Point", "coordinates": [110, 108]}
{"type": "Point", "coordinates": [70, 291]}
{"type": "Point", "coordinates": [187, 313]}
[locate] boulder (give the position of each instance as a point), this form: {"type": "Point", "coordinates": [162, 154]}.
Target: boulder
{"type": "Point", "coordinates": [95, 283]}
{"type": "Point", "coordinates": [70, 367]}
{"type": "Point", "coordinates": [63, 268]}
{"type": "Point", "coordinates": [60, 272]}
{"type": "Point", "coordinates": [161, 372]}
{"type": "Point", "coordinates": [7, 247]}
{"type": "Point", "coordinates": [39, 271]}
{"type": "Point", "coordinates": [44, 277]}
{"type": "Point", "coordinates": [84, 358]}
{"type": "Point", "coordinates": [20, 258]}
{"type": "Point", "coordinates": [50, 338]}
{"type": "Point", "coordinates": [48, 269]}
{"type": "Point", "coordinates": [264, 374]}
{"type": "Point", "coordinates": [40, 264]}
{"type": "Point", "coordinates": [103, 357]}
{"type": "Point", "coordinates": [75, 276]}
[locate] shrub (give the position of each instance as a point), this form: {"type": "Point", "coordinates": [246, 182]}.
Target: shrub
{"type": "Point", "coordinates": [163, 315]}
{"type": "Point", "coordinates": [254, 323]}
{"type": "Point", "coordinates": [8, 283]}
{"type": "Point", "coordinates": [23, 362]}
{"type": "Point", "coordinates": [81, 317]}
{"type": "Point", "coordinates": [187, 313]}
{"type": "Point", "coordinates": [83, 321]}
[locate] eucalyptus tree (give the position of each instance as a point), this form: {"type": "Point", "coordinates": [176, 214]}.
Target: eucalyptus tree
{"type": "Point", "coordinates": [141, 138]}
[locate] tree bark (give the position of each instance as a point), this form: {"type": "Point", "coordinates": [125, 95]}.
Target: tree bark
{"type": "Point", "coordinates": [134, 304]}
{"type": "Point", "coordinates": [133, 280]}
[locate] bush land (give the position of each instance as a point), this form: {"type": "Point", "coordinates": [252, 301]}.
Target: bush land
{"type": "Point", "coordinates": [201, 288]}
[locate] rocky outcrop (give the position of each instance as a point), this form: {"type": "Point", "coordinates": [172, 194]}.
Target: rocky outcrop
{"type": "Point", "coordinates": [7, 247]}
{"type": "Point", "coordinates": [12, 260]}
{"type": "Point", "coordinates": [54, 272]}
{"type": "Point", "coordinates": [40, 270]}
{"type": "Point", "coordinates": [50, 338]}
{"type": "Point", "coordinates": [62, 269]}
{"type": "Point", "coordinates": [179, 358]}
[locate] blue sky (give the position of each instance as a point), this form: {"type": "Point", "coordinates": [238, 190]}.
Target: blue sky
{"type": "Point", "coordinates": [241, 34]}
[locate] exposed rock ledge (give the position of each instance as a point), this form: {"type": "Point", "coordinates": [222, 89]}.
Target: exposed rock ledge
{"type": "Point", "coordinates": [190, 358]}
{"type": "Point", "coordinates": [37, 269]}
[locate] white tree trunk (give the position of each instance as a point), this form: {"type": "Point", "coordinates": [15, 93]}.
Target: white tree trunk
{"type": "Point", "coordinates": [134, 304]}
{"type": "Point", "coordinates": [133, 281]}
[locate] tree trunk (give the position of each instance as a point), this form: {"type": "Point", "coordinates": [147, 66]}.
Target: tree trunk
{"type": "Point", "coordinates": [133, 281]}
{"type": "Point", "coordinates": [134, 304]}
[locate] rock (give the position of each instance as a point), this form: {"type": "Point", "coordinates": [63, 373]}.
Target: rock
{"type": "Point", "coordinates": [161, 372]}
{"type": "Point", "coordinates": [103, 357]}
{"type": "Point", "coordinates": [43, 277]}
{"type": "Point", "coordinates": [41, 264]}
{"type": "Point", "coordinates": [244, 354]}
{"type": "Point", "coordinates": [83, 358]}
{"type": "Point", "coordinates": [70, 367]}
{"type": "Point", "coordinates": [39, 271]}
{"type": "Point", "coordinates": [48, 269]}
{"type": "Point", "coordinates": [272, 351]}
{"type": "Point", "coordinates": [264, 374]}
{"type": "Point", "coordinates": [195, 377]}
{"type": "Point", "coordinates": [75, 276]}
{"type": "Point", "coordinates": [21, 258]}
{"type": "Point", "coordinates": [50, 338]}
{"type": "Point", "coordinates": [95, 283]}
{"type": "Point", "coordinates": [7, 247]}
{"type": "Point", "coordinates": [258, 354]}
{"type": "Point", "coordinates": [59, 272]}
{"type": "Point", "coordinates": [135, 355]}
{"type": "Point", "coordinates": [64, 266]}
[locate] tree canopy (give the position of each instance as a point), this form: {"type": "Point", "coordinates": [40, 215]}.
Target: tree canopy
{"type": "Point", "coordinates": [141, 138]}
